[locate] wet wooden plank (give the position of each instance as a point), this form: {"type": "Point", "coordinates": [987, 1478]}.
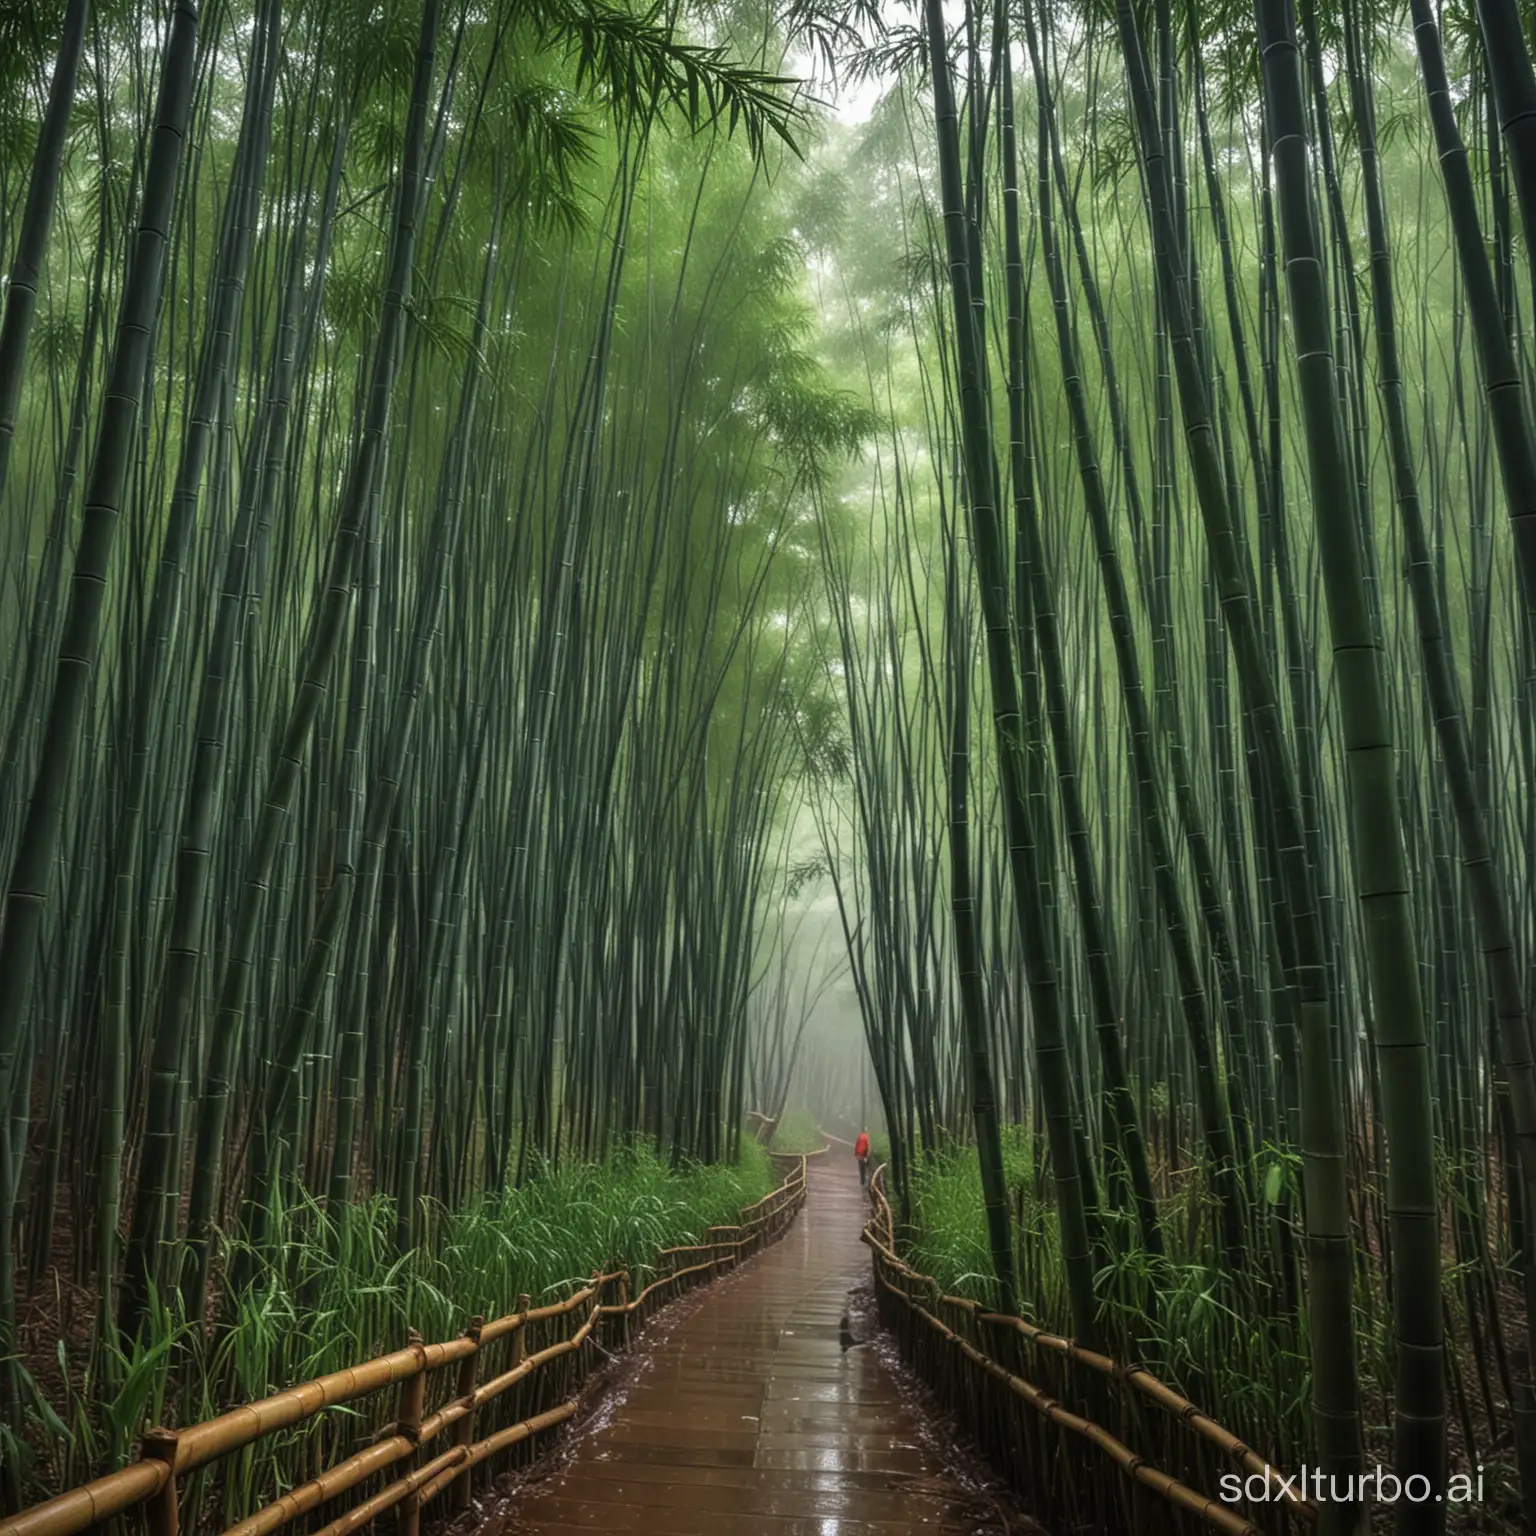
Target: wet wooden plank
{"type": "Point", "coordinates": [751, 1419]}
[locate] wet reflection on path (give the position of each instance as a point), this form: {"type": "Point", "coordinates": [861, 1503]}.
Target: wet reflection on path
{"type": "Point", "coordinates": [751, 1416]}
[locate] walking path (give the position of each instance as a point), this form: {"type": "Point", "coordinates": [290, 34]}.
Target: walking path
{"type": "Point", "coordinates": [750, 1418]}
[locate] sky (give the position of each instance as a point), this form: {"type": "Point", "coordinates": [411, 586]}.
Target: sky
{"type": "Point", "coordinates": [853, 102]}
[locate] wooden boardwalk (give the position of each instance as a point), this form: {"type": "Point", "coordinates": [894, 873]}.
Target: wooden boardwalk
{"type": "Point", "coordinates": [749, 1418]}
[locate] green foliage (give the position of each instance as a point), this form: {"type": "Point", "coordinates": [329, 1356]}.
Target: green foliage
{"type": "Point", "coordinates": [479, 586]}
{"type": "Point", "coordinates": [797, 1131]}
{"type": "Point", "coordinates": [1242, 1366]}
{"type": "Point", "coordinates": [329, 1289]}
{"type": "Point", "coordinates": [640, 64]}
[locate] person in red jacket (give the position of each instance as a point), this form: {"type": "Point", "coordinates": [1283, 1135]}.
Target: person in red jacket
{"type": "Point", "coordinates": [861, 1151]}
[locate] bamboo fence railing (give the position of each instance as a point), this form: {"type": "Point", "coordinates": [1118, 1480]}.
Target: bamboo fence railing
{"type": "Point", "coordinates": [1026, 1430]}
{"type": "Point", "coordinates": [543, 1381]}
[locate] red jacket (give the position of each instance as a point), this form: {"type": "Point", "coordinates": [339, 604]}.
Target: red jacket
{"type": "Point", "coordinates": [861, 1146]}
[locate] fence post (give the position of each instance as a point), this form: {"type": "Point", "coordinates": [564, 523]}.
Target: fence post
{"type": "Point", "coordinates": [623, 1329]}
{"type": "Point", "coordinates": [160, 1512]}
{"type": "Point", "coordinates": [585, 1350]}
{"type": "Point", "coordinates": [520, 1333]}
{"type": "Point", "coordinates": [413, 1398]}
{"type": "Point", "coordinates": [717, 1250]}
{"type": "Point", "coordinates": [464, 1430]}
{"type": "Point", "coordinates": [517, 1348]}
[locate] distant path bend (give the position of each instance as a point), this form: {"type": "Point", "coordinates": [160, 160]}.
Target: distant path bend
{"type": "Point", "coordinates": [750, 1418]}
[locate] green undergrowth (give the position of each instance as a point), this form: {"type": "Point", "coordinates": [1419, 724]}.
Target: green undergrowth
{"type": "Point", "coordinates": [330, 1289]}
{"type": "Point", "coordinates": [1230, 1343]}
{"type": "Point", "coordinates": [1241, 1357]}
{"type": "Point", "coordinates": [797, 1131]}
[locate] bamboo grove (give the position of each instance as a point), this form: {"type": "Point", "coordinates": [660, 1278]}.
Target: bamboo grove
{"type": "Point", "coordinates": [1188, 863]}
{"type": "Point", "coordinates": [513, 513]}
{"type": "Point", "coordinates": [404, 433]}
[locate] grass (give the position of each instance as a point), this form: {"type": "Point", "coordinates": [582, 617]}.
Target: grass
{"type": "Point", "coordinates": [1253, 1378]}
{"type": "Point", "coordinates": [332, 1290]}
{"type": "Point", "coordinates": [797, 1131]}
{"type": "Point", "coordinates": [1230, 1346]}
